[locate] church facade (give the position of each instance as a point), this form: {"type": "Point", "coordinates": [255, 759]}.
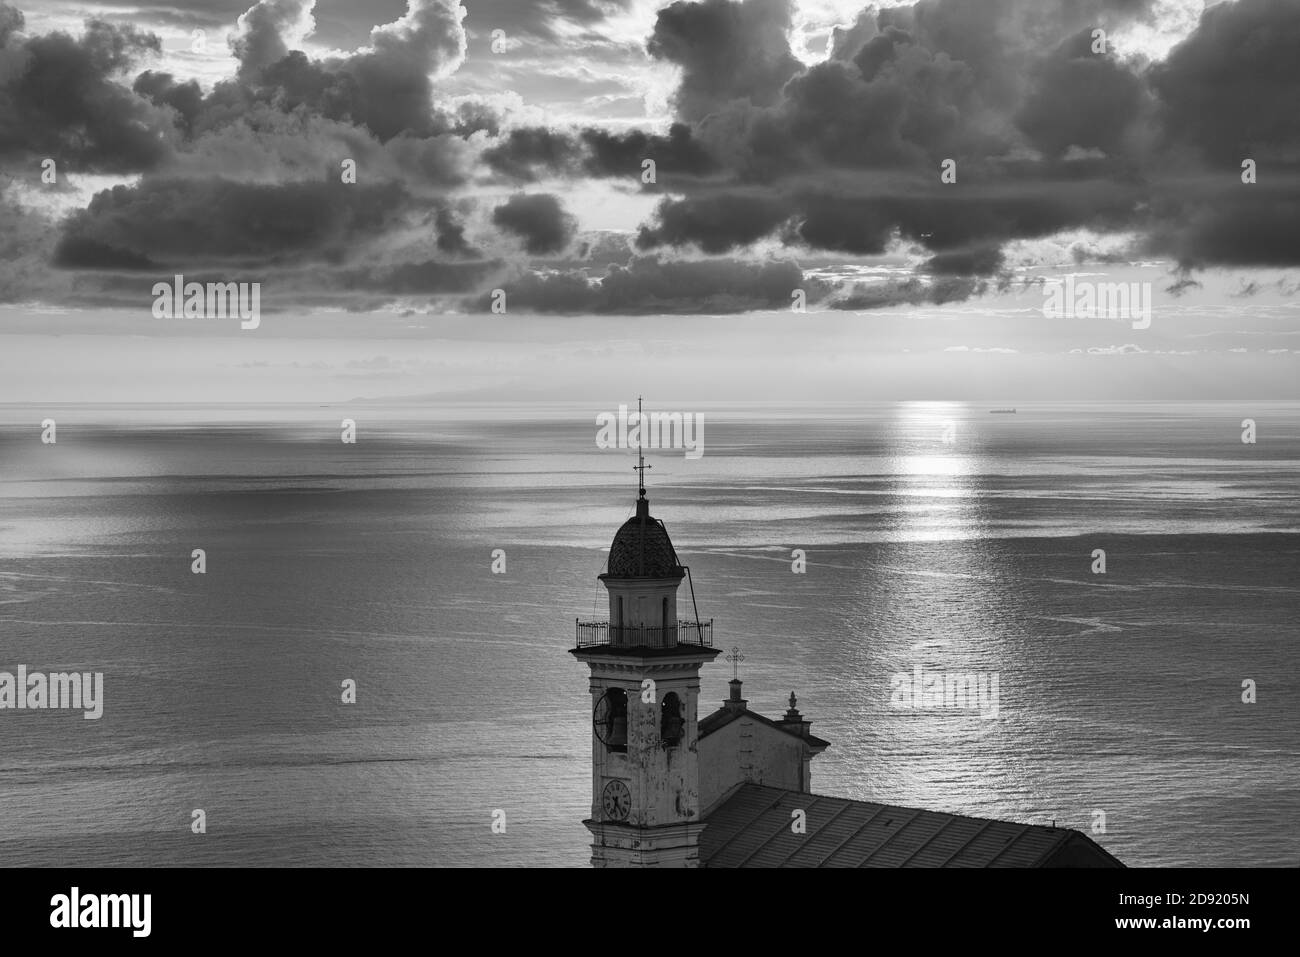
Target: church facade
{"type": "Point", "coordinates": [734, 788]}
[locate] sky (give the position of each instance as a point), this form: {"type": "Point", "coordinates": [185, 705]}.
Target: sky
{"type": "Point", "coordinates": [844, 201]}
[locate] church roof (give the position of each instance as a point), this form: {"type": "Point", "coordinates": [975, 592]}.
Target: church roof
{"type": "Point", "coordinates": [724, 716]}
{"type": "Point", "coordinates": [752, 828]}
{"type": "Point", "coordinates": [642, 549]}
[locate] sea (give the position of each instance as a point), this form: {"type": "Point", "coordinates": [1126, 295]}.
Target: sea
{"type": "Point", "coordinates": [1129, 573]}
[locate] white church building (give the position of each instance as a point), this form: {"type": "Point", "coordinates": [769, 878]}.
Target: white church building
{"type": "Point", "coordinates": [734, 788]}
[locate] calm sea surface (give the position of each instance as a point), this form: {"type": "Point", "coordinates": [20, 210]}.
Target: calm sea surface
{"type": "Point", "coordinates": [1119, 692]}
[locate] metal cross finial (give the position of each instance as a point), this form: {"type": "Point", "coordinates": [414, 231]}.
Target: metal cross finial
{"type": "Point", "coordinates": [735, 658]}
{"type": "Point", "coordinates": [640, 443]}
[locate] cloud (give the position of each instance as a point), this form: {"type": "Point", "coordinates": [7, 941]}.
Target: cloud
{"type": "Point", "coordinates": [1080, 105]}
{"type": "Point", "coordinates": [416, 279]}
{"type": "Point", "coordinates": [267, 145]}
{"type": "Point", "coordinates": [1127, 349]}
{"type": "Point", "coordinates": [264, 33]}
{"type": "Point", "coordinates": [648, 285]}
{"type": "Point", "coordinates": [83, 252]}
{"type": "Point", "coordinates": [677, 154]}
{"type": "Point", "coordinates": [717, 222]}
{"type": "Point", "coordinates": [845, 155]}
{"type": "Point", "coordinates": [178, 222]}
{"type": "Point", "coordinates": [727, 51]}
{"type": "Point", "coordinates": [529, 153]}
{"type": "Point", "coordinates": [540, 20]}
{"type": "Point", "coordinates": [26, 242]}
{"type": "Point", "coordinates": [1049, 132]}
{"type": "Point", "coordinates": [524, 153]}
{"type": "Point", "coordinates": [250, 175]}
{"type": "Point", "coordinates": [59, 98]}
{"type": "Point", "coordinates": [163, 90]}
{"type": "Point", "coordinates": [385, 87]}
{"type": "Point", "coordinates": [539, 220]}
{"type": "Point", "coordinates": [11, 21]}
{"type": "Point", "coordinates": [909, 292]}
{"type": "Point", "coordinates": [1181, 284]}
{"type": "Point", "coordinates": [607, 248]}
{"type": "Point", "coordinates": [451, 235]}
{"type": "Point", "coordinates": [984, 261]}
{"type": "Point", "coordinates": [1051, 136]}
{"type": "Point", "coordinates": [1230, 89]}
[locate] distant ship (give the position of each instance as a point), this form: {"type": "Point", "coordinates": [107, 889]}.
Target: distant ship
{"type": "Point", "coordinates": [1002, 411]}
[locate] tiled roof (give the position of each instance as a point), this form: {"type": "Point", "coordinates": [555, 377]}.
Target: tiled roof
{"type": "Point", "coordinates": [642, 549]}
{"type": "Point", "coordinates": [752, 828]}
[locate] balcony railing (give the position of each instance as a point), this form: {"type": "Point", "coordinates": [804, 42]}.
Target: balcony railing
{"type": "Point", "coordinates": [592, 634]}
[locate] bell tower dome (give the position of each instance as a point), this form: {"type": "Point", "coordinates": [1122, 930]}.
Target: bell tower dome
{"type": "Point", "coordinates": [642, 578]}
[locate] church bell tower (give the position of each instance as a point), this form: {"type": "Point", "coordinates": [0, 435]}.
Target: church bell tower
{"type": "Point", "coordinates": [645, 685]}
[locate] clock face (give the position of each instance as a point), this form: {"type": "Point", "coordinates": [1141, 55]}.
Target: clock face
{"type": "Point", "coordinates": [616, 801]}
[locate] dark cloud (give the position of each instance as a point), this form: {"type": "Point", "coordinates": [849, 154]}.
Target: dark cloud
{"type": "Point", "coordinates": [1181, 284]}
{"type": "Point", "coordinates": [70, 98]}
{"type": "Point", "coordinates": [1230, 89]}
{"type": "Point", "coordinates": [716, 222]}
{"type": "Point", "coordinates": [1226, 222]}
{"type": "Point", "coordinates": [1079, 98]}
{"type": "Point", "coordinates": [675, 155]}
{"type": "Point", "coordinates": [451, 235]}
{"type": "Point", "coordinates": [471, 116]}
{"type": "Point", "coordinates": [727, 51]}
{"type": "Point", "coordinates": [249, 175]}
{"type": "Point", "coordinates": [838, 220]}
{"type": "Point", "coordinates": [1229, 93]}
{"type": "Point", "coordinates": [1047, 133]}
{"type": "Point", "coordinates": [529, 153]}
{"type": "Point", "coordinates": [427, 278]}
{"type": "Point", "coordinates": [81, 252]}
{"type": "Point", "coordinates": [984, 261]}
{"type": "Point", "coordinates": [267, 145]}
{"type": "Point", "coordinates": [59, 98]}
{"type": "Point", "coordinates": [648, 285]}
{"type": "Point", "coordinates": [385, 87]}
{"type": "Point", "coordinates": [183, 221]}
{"type": "Point", "coordinates": [940, 79]}
{"type": "Point", "coordinates": [11, 21]}
{"type": "Point", "coordinates": [526, 153]}
{"type": "Point", "coordinates": [161, 89]}
{"type": "Point", "coordinates": [839, 157]}
{"type": "Point", "coordinates": [905, 89]}
{"type": "Point", "coordinates": [539, 220]}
